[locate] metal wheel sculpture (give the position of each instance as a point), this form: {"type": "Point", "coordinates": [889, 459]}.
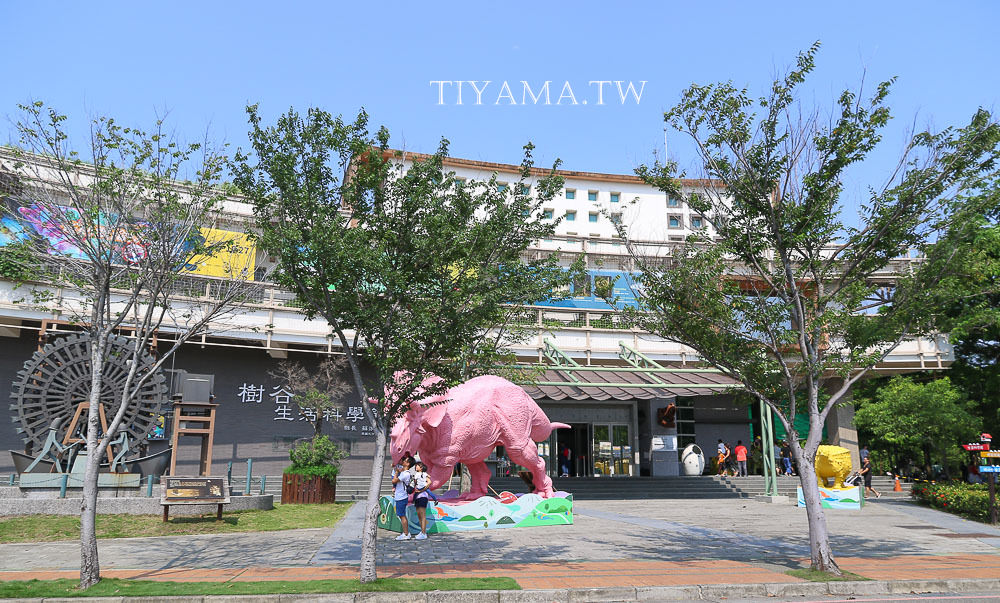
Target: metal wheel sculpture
{"type": "Point", "coordinates": [56, 380]}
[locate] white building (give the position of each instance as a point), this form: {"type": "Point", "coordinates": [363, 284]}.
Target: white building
{"type": "Point", "coordinates": [593, 384]}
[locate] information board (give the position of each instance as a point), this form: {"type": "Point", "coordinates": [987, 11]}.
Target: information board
{"type": "Point", "coordinates": [194, 490]}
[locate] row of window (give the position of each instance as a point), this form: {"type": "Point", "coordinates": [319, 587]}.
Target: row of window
{"type": "Point", "coordinates": [674, 221]}
{"type": "Point", "coordinates": [616, 218]}
{"type": "Point", "coordinates": [591, 195]}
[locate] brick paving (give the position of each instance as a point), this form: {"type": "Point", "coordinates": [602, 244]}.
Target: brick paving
{"type": "Point", "coordinates": [612, 543]}
{"type": "Point", "coordinates": [931, 567]}
{"type": "Point", "coordinates": [528, 575]}
{"type": "Point", "coordinates": [592, 574]}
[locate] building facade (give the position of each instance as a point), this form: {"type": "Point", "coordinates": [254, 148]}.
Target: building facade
{"type": "Point", "coordinates": [611, 385]}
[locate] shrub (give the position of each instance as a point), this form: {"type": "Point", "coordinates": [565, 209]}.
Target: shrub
{"type": "Point", "coordinates": [318, 457]}
{"type": "Point", "coordinates": [960, 498]}
{"type": "Point", "coordinates": [16, 262]}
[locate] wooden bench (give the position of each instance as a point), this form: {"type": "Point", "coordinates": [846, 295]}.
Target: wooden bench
{"type": "Point", "coordinates": [179, 490]}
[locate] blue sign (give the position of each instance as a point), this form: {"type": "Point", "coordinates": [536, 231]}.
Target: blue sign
{"type": "Point", "coordinates": [989, 469]}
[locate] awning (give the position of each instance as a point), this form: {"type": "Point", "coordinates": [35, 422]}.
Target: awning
{"type": "Point", "coordinates": [623, 383]}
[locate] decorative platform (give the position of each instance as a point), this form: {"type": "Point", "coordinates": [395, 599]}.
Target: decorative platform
{"type": "Point", "coordinates": [14, 501]}
{"type": "Point", "coordinates": [837, 498]}
{"type": "Point", "coordinates": [75, 480]}
{"type": "Point", "coordinates": [485, 513]}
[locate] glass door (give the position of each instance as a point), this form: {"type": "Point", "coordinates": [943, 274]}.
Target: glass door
{"type": "Point", "coordinates": [603, 464]}
{"type": "Point", "coordinates": [621, 450]}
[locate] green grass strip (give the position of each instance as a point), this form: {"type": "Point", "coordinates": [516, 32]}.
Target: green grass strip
{"type": "Point", "coordinates": [48, 528]}
{"type": "Point", "coordinates": [818, 576]}
{"type": "Point", "coordinates": [118, 587]}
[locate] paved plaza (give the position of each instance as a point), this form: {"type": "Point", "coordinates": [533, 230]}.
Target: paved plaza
{"type": "Point", "coordinates": [612, 543]}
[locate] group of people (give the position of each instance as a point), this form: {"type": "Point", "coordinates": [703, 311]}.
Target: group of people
{"type": "Point", "coordinates": [732, 461]}
{"type": "Point", "coordinates": [784, 463]}
{"type": "Point", "coordinates": [410, 477]}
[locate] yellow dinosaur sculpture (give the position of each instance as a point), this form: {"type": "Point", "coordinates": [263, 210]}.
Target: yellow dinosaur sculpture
{"type": "Point", "coordinates": [832, 462]}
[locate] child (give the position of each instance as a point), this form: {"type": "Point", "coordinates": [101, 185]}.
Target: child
{"type": "Point", "coordinates": [421, 492]}
{"type": "Point", "coordinates": [400, 479]}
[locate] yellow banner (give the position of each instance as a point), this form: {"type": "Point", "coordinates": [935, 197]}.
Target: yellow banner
{"type": "Point", "coordinates": [234, 255]}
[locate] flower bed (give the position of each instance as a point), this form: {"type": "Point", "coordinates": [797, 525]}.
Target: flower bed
{"type": "Point", "coordinates": [968, 500]}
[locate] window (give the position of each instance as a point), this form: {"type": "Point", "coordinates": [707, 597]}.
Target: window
{"type": "Point", "coordinates": [546, 214]}
{"type": "Point", "coordinates": [674, 222]}
{"type": "Point", "coordinates": [525, 189]}
{"type": "Point", "coordinates": [616, 218]}
{"type": "Point", "coordinates": [591, 195]}
{"type": "Point", "coordinates": [615, 197]}
{"type": "Point", "coordinates": [571, 193]}
{"type": "Point", "coordinates": [593, 217]}
{"type": "Point", "coordinates": [697, 222]}
{"type": "Point", "coordinates": [581, 286]}
{"type": "Point", "coordinates": [570, 216]}
{"type": "Point", "coordinates": [671, 202]}
{"type": "Point", "coordinates": [501, 187]}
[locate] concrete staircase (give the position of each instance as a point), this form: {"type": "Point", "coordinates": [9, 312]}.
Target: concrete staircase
{"type": "Point", "coordinates": [753, 485]}
{"type": "Point", "coordinates": [355, 487]}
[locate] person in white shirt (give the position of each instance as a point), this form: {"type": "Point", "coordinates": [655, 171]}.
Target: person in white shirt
{"type": "Point", "coordinates": [421, 486]}
{"type": "Point", "coordinates": [400, 480]}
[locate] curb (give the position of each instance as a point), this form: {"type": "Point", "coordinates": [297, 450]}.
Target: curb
{"type": "Point", "coordinates": [630, 593]}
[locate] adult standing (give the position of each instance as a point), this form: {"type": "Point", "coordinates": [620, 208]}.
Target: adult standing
{"type": "Point", "coordinates": [786, 457]}
{"type": "Point", "coordinates": [866, 472]}
{"type": "Point", "coordinates": [741, 458]}
{"type": "Point", "coordinates": [565, 460]}
{"type": "Point", "coordinates": [400, 479]}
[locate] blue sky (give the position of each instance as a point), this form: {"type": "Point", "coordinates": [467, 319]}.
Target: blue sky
{"type": "Point", "coordinates": [204, 61]}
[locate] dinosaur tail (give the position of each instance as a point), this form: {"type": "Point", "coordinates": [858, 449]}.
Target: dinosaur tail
{"type": "Point", "coordinates": [542, 429]}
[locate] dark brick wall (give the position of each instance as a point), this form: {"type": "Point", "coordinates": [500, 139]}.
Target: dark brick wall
{"type": "Point", "coordinates": [243, 429]}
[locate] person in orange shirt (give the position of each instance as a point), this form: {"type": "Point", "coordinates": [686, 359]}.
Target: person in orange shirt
{"type": "Point", "coordinates": [741, 458]}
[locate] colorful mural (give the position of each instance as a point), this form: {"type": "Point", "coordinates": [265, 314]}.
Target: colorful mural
{"type": "Point", "coordinates": [837, 498]}
{"type": "Point", "coordinates": [11, 231]}
{"type": "Point", "coordinates": [235, 255]}
{"type": "Point", "coordinates": [60, 228]}
{"type": "Point", "coordinates": [484, 513]}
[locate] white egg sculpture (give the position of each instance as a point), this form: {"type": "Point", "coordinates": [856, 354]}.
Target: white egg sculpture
{"type": "Point", "coordinates": [692, 460]}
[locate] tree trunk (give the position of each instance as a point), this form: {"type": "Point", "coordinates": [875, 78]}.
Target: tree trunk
{"type": "Point", "coordinates": [820, 553]}
{"type": "Point", "coordinates": [369, 532]}
{"type": "Point", "coordinates": [90, 567]}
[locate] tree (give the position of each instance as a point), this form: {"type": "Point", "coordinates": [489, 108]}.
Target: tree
{"type": "Point", "coordinates": [409, 267]}
{"type": "Point", "coordinates": [121, 234]}
{"type": "Point", "coordinates": [787, 298]}
{"type": "Point", "coordinates": [973, 319]}
{"type": "Point", "coordinates": [924, 418]}
{"type": "Point", "coordinates": [318, 393]}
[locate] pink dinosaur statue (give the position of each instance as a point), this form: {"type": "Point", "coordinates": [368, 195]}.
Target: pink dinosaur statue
{"type": "Point", "coordinates": [467, 424]}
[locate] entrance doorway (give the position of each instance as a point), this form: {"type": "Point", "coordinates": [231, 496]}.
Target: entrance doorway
{"type": "Point", "coordinates": [577, 440]}
{"type": "Point", "coordinates": [612, 450]}
{"type": "Point", "coordinates": [596, 449]}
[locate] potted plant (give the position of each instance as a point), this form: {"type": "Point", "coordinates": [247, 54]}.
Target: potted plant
{"type": "Point", "coordinates": [312, 476]}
